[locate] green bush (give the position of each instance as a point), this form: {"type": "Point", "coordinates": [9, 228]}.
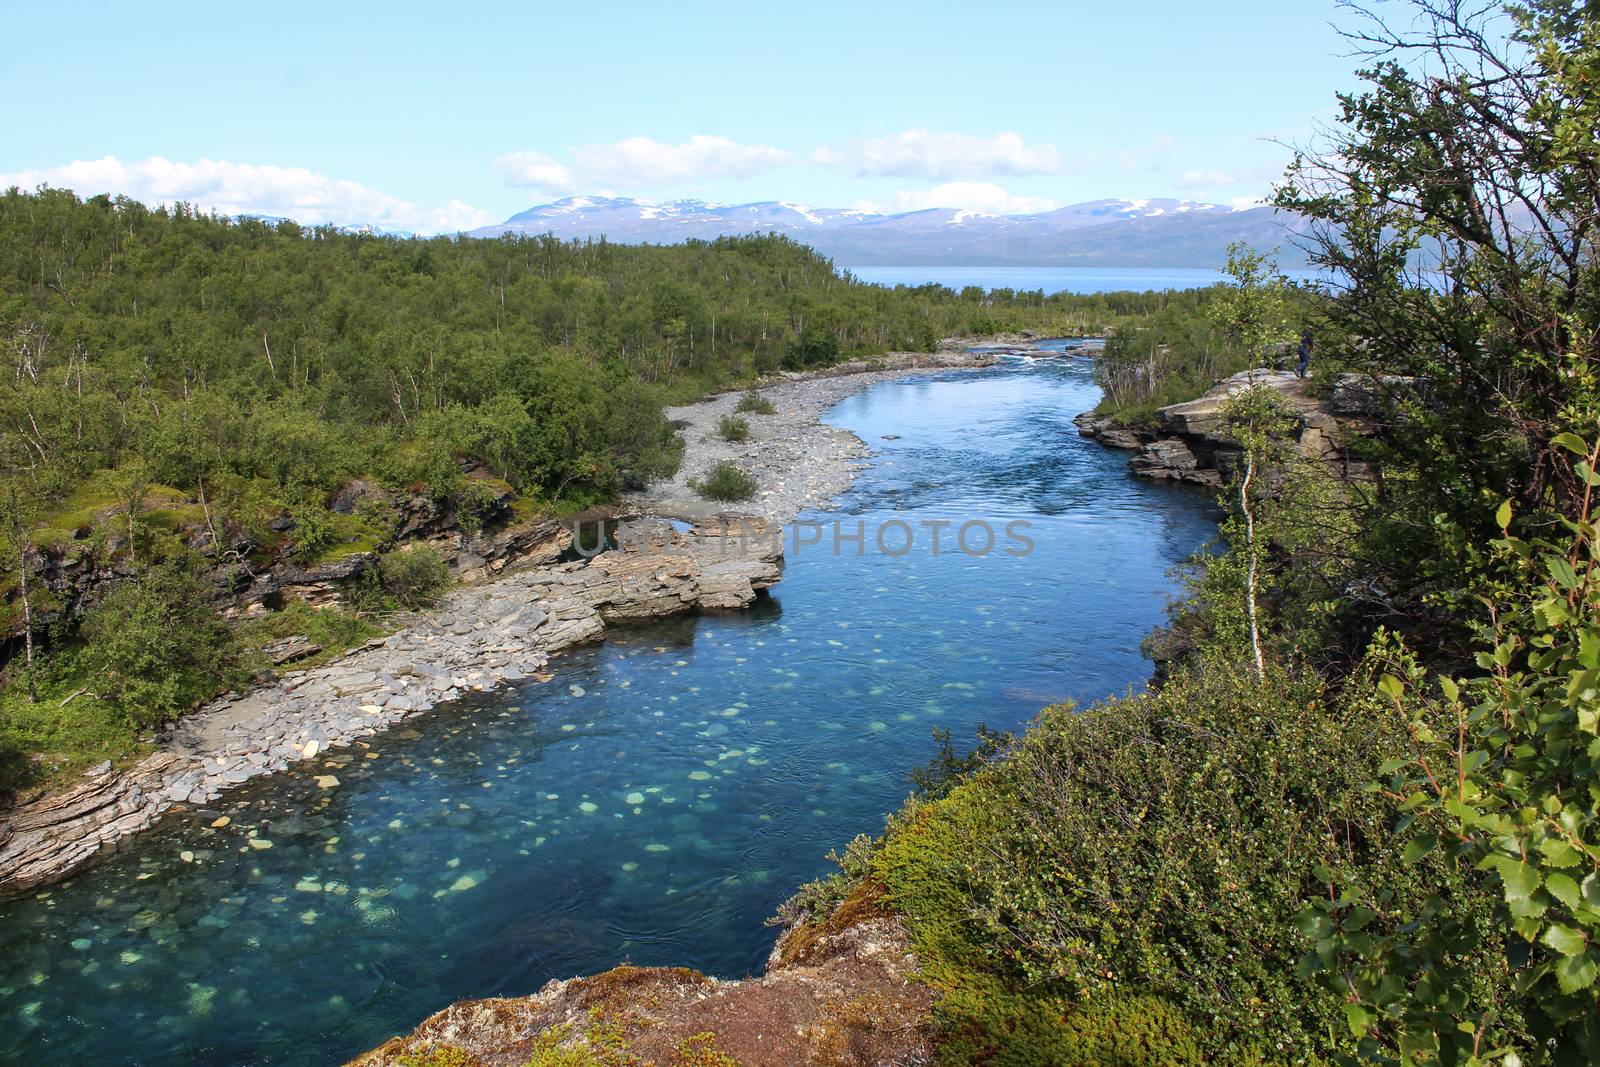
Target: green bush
{"type": "Point", "coordinates": [725, 481]}
{"type": "Point", "coordinates": [414, 576]}
{"type": "Point", "coordinates": [732, 428]}
{"type": "Point", "coordinates": [156, 646]}
{"type": "Point", "coordinates": [314, 532]}
{"type": "Point", "coordinates": [817, 346]}
{"type": "Point", "coordinates": [753, 403]}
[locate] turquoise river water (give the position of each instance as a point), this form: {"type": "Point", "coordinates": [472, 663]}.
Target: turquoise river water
{"type": "Point", "coordinates": [655, 801]}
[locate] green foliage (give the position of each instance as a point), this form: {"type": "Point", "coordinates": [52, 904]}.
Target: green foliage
{"type": "Point", "coordinates": [1159, 843]}
{"type": "Point", "coordinates": [1501, 776]}
{"type": "Point", "coordinates": [155, 646]}
{"type": "Point", "coordinates": [477, 502]}
{"type": "Point", "coordinates": [817, 900]}
{"type": "Point", "coordinates": [753, 403]}
{"type": "Point", "coordinates": [700, 1050]}
{"type": "Point", "coordinates": [414, 576]}
{"type": "Point", "coordinates": [733, 428]}
{"type": "Point", "coordinates": [1254, 312]}
{"type": "Point", "coordinates": [726, 481]}
{"type": "Point", "coordinates": [949, 768]}
{"type": "Point", "coordinates": [816, 346]}
{"type": "Point", "coordinates": [333, 628]}
{"type": "Point", "coordinates": [67, 729]}
{"type": "Point", "coordinates": [1468, 167]}
{"type": "Point", "coordinates": [1172, 347]}
{"type": "Point", "coordinates": [314, 532]}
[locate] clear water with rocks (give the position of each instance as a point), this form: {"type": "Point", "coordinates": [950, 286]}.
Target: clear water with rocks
{"type": "Point", "coordinates": [656, 799]}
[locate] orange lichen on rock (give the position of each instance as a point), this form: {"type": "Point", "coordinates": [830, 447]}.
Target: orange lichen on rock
{"type": "Point", "coordinates": [840, 993]}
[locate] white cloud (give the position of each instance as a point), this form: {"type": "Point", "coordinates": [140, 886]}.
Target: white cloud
{"type": "Point", "coordinates": [984, 197]}
{"type": "Point", "coordinates": [931, 154]}
{"type": "Point", "coordinates": [535, 170]}
{"type": "Point", "coordinates": [1258, 175]}
{"type": "Point", "coordinates": [641, 161]}
{"type": "Point", "coordinates": [304, 195]}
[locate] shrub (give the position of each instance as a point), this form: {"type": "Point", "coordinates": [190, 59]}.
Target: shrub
{"type": "Point", "coordinates": [334, 629]}
{"type": "Point", "coordinates": [732, 428]}
{"type": "Point", "coordinates": [156, 646]}
{"type": "Point", "coordinates": [818, 346]}
{"type": "Point", "coordinates": [753, 403]}
{"type": "Point", "coordinates": [414, 576]}
{"type": "Point", "coordinates": [314, 532]}
{"type": "Point", "coordinates": [476, 503]}
{"type": "Point", "coordinates": [725, 481]}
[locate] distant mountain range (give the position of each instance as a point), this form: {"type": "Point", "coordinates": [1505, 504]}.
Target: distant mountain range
{"type": "Point", "coordinates": [1100, 233]}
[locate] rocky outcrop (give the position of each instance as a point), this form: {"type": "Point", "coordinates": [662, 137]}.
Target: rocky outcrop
{"type": "Point", "coordinates": [844, 994]}
{"type": "Point", "coordinates": [482, 637]}
{"type": "Point", "coordinates": [1190, 442]}
{"type": "Point", "coordinates": [62, 832]}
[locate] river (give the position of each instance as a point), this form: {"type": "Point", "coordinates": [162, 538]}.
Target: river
{"type": "Point", "coordinates": [659, 797]}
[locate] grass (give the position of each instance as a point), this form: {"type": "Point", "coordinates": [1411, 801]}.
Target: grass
{"type": "Point", "coordinates": [334, 628]}
{"type": "Point", "coordinates": [68, 729]}
{"type": "Point", "coordinates": [351, 535]}
{"type": "Point", "coordinates": [726, 481]}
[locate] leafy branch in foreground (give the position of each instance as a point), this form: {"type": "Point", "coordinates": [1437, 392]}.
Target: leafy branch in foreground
{"type": "Point", "coordinates": [1503, 776]}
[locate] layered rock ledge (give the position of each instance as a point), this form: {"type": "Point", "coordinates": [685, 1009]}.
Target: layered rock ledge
{"type": "Point", "coordinates": [1190, 442]}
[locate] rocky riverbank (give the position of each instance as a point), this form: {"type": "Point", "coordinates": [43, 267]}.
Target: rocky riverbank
{"type": "Point", "coordinates": [487, 635]}
{"type": "Point", "coordinates": [1189, 442]}
{"type": "Point", "coordinates": [798, 462]}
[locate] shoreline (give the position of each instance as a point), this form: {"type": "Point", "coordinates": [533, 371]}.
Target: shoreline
{"type": "Point", "coordinates": [489, 634]}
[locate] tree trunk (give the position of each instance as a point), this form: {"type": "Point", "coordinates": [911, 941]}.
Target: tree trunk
{"type": "Point", "coordinates": [27, 624]}
{"type": "Point", "coordinates": [1250, 581]}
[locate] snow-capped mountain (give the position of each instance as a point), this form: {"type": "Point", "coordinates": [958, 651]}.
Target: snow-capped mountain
{"type": "Point", "coordinates": [1167, 233]}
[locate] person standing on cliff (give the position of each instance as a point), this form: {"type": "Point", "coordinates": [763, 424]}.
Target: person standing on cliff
{"type": "Point", "coordinates": [1304, 352]}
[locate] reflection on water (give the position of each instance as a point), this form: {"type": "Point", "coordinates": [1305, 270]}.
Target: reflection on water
{"type": "Point", "coordinates": [654, 802]}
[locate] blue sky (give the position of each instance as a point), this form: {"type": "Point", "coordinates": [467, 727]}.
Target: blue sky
{"type": "Point", "coordinates": [436, 117]}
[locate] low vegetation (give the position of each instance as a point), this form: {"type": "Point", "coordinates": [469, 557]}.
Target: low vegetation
{"type": "Point", "coordinates": [413, 576]}
{"type": "Point", "coordinates": [753, 403]}
{"type": "Point", "coordinates": [726, 481]}
{"type": "Point", "coordinates": [733, 428]}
